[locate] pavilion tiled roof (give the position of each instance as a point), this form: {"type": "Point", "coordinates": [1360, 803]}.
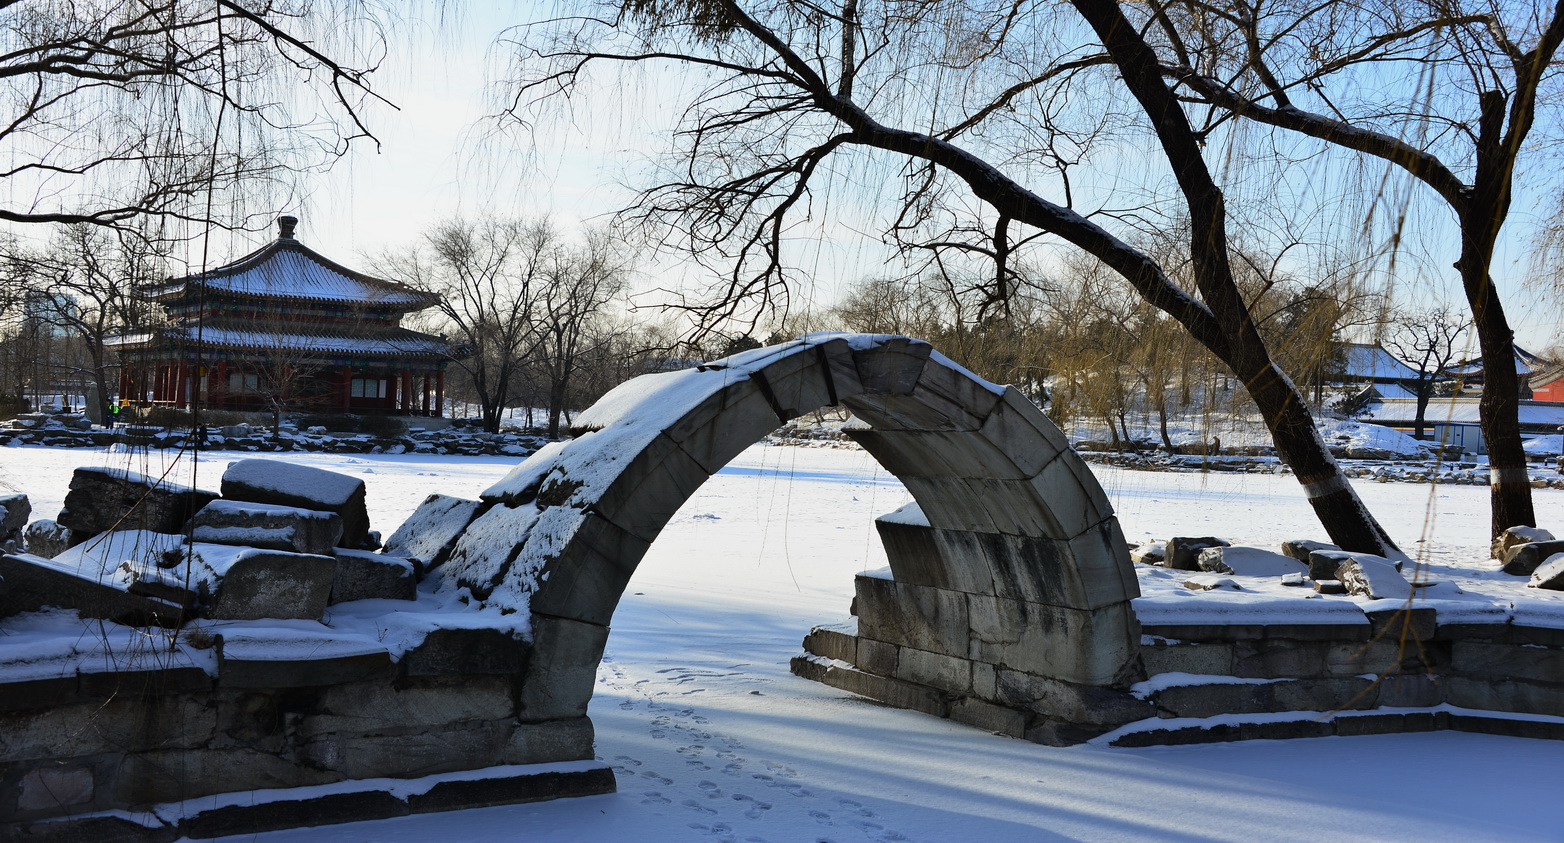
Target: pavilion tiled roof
{"type": "Point", "coordinates": [385, 341]}
{"type": "Point", "coordinates": [287, 269]}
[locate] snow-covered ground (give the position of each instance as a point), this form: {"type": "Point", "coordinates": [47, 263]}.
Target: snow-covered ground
{"type": "Point", "coordinates": [712, 738]}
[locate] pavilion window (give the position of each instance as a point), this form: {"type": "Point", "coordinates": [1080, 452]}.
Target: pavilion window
{"type": "Point", "coordinates": [241, 382]}
{"type": "Point", "coordinates": [369, 388]}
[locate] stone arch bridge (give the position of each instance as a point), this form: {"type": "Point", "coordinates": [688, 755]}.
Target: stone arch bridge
{"type": "Point", "coordinates": [1010, 571]}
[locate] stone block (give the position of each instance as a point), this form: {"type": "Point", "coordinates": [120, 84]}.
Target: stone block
{"type": "Point", "coordinates": [248, 818]}
{"type": "Point", "coordinates": [466, 652]}
{"type": "Point", "coordinates": [1213, 699]}
{"type": "Point", "coordinates": [268, 526]}
{"type": "Point", "coordinates": [1513, 727]}
{"type": "Point", "coordinates": [948, 673]}
{"type": "Point", "coordinates": [484, 551]}
{"type": "Point", "coordinates": [1184, 551]}
{"type": "Point", "coordinates": [1027, 437]}
{"type": "Point", "coordinates": [366, 575]}
{"type": "Point", "coordinates": [798, 383]}
{"type": "Point", "coordinates": [1513, 536]}
{"type": "Point", "coordinates": [1410, 690]}
{"type": "Point", "coordinates": [251, 584]}
{"type": "Point", "coordinates": [432, 530]}
{"type": "Point", "coordinates": [649, 489]}
{"type": "Point", "coordinates": [1215, 658]}
{"type": "Point", "coordinates": [584, 578]}
{"type": "Point", "coordinates": [305, 487]}
{"type": "Point", "coordinates": [46, 538]}
{"type": "Point", "coordinates": [96, 727]}
{"type": "Point", "coordinates": [889, 690]}
{"type": "Point", "coordinates": [1088, 647]}
{"type": "Point", "coordinates": [130, 681]}
{"type": "Point", "coordinates": [1379, 656]}
{"type": "Point", "coordinates": [32, 582]}
{"type": "Point", "coordinates": [914, 616]}
{"type": "Point", "coordinates": [1278, 657]}
{"type": "Point", "coordinates": [935, 453]}
{"type": "Point", "coordinates": [14, 510]}
{"type": "Point", "coordinates": [562, 672]}
{"type": "Point", "coordinates": [1503, 661]}
{"type": "Point", "coordinates": [1300, 549]}
{"type": "Point", "coordinates": [988, 717]}
{"type": "Point", "coordinates": [281, 659]}
{"type": "Point", "coordinates": [949, 559]}
{"type": "Point", "coordinates": [377, 706]}
{"type": "Point", "coordinates": [29, 694]}
{"type": "Point", "coordinates": [550, 742]}
{"type": "Point", "coordinates": [55, 788]}
{"type": "Point", "coordinates": [459, 794]}
{"type": "Point", "coordinates": [149, 778]}
{"type": "Point", "coordinates": [1550, 574]}
{"type": "Point", "coordinates": [1326, 694]}
{"type": "Point", "coordinates": [1515, 695]}
{"type": "Point", "coordinates": [1395, 621]}
{"type": "Point", "coordinates": [985, 680]}
{"type": "Point", "coordinates": [1249, 562]}
{"type": "Point", "coordinates": [893, 367]}
{"type": "Point", "coordinates": [1374, 578]}
{"type": "Point", "coordinates": [724, 424]}
{"type": "Point", "coordinates": [983, 505]}
{"type": "Point", "coordinates": [876, 657]}
{"type": "Point", "coordinates": [1279, 730]}
{"type": "Point", "coordinates": [407, 753]}
{"type": "Point", "coordinates": [1522, 560]}
{"type": "Point", "coordinates": [1075, 500]}
{"type": "Point", "coordinates": [832, 644]}
{"type": "Point", "coordinates": [101, 500]}
{"type": "Point", "coordinates": [1074, 703]}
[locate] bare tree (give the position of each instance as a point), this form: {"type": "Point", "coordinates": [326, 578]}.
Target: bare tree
{"type": "Point", "coordinates": [1445, 91]}
{"type": "Point", "coordinates": [578, 284]}
{"type": "Point", "coordinates": [1428, 341]}
{"type": "Point", "coordinates": [163, 109]}
{"type": "Point", "coordinates": [967, 98]}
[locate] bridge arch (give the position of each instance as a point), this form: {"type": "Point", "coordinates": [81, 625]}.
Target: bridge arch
{"type": "Point", "coordinates": [1007, 516]}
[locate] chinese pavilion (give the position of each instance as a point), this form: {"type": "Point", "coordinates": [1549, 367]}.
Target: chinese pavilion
{"type": "Point", "coordinates": [286, 327]}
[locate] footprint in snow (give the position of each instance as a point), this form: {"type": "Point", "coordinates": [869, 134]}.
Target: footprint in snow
{"type": "Point", "coordinates": [855, 807]}
{"type": "Point", "coordinates": [652, 797]}
{"type": "Point", "coordinates": [696, 765]}
{"type": "Point", "coordinates": [722, 831]}
{"type": "Point", "coordinates": [756, 807]}
{"type": "Point", "coordinates": [821, 817]}
{"type": "Point", "coordinates": [662, 780]}
{"type": "Point", "coordinates": [710, 787]}
{"type": "Point", "coordinates": [698, 807]}
{"type": "Point", "coordinates": [628, 760]}
{"type": "Point", "coordinates": [733, 769]}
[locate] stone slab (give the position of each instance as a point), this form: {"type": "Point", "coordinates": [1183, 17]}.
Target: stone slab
{"type": "Point", "coordinates": [268, 526]}
{"type": "Point", "coordinates": [306, 487]}
{"type": "Point", "coordinates": [432, 530]}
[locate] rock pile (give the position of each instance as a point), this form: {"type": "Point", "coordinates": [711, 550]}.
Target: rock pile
{"type": "Point", "coordinates": [281, 541]}
{"type": "Point", "coordinates": [1331, 569]}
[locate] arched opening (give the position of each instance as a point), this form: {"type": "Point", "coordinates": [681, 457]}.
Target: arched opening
{"type": "Point", "coordinates": [1012, 542]}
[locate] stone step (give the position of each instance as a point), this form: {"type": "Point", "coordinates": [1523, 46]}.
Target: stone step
{"type": "Point", "coordinates": [1316, 724]}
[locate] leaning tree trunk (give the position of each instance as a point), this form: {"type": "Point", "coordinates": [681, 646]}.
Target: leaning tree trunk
{"type": "Point", "coordinates": [1499, 413]}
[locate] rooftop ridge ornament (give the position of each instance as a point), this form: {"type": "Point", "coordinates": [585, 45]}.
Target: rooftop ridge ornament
{"type": "Point", "coordinates": [285, 226]}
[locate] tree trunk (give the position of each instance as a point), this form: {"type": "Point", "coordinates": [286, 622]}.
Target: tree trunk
{"type": "Point", "coordinates": [1425, 392]}
{"type": "Point", "coordinates": [1162, 425]}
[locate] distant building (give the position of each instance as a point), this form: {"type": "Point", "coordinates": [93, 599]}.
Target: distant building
{"type": "Point", "coordinates": [1468, 374]}
{"type": "Point", "coordinates": [1455, 420]}
{"type": "Point", "coordinates": [286, 325]}
{"type": "Point", "coordinates": [1371, 373]}
{"type": "Point", "coordinates": [1548, 384]}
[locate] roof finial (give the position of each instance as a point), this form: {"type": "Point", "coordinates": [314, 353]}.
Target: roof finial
{"type": "Point", "coordinates": [285, 226]}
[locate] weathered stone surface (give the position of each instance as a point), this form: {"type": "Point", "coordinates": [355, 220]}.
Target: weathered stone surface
{"type": "Point", "coordinates": [1502, 661]}
{"type": "Point", "coordinates": [406, 753]}
{"type": "Point", "coordinates": [832, 644]}
{"type": "Point", "coordinates": [269, 526]}
{"type": "Point", "coordinates": [988, 717]}
{"type": "Point", "coordinates": [1204, 658]}
{"type": "Point", "coordinates": [469, 652]}
{"type": "Point", "coordinates": [375, 705]}
{"type": "Point", "coordinates": [461, 794]}
{"type": "Point", "coordinates": [33, 582]}
{"type": "Point", "coordinates": [648, 490]}
{"type": "Point", "coordinates": [1095, 647]}
{"type": "Point", "coordinates": [587, 576]}
{"type": "Point", "coordinates": [1367, 576]}
{"type": "Point", "coordinates": [47, 538]}
{"type": "Point", "coordinates": [1409, 690]}
{"type": "Point", "coordinates": [247, 584]}
{"type": "Point", "coordinates": [549, 742]}
{"type": "Point", "coordinates": [366, 575]}
{"type": "Point", "coordinates": [1300, 549]}
{"type": "Point", "coordinates": [286, 658]}
{"type": "Point", "coordinates": [895, 692]}
{"type": "Point", "coordinates": [483, 552]}
{"type": "Point", "coordinates": [149, 778]}
{"type": "Point", "coordinates": [876, 656]}
{"type": "Point", "coordinates": [89, 728]}
{"type": "Point", "coordinates": [1184, 551]}
{"type": "Point", "coordinates": [14, 510]}
{"type": "Point", "coordinates": [1513, 536]}
{"type": "Point", "coordinates": [54, 788]}
{"type": "Point", "coordinates": [1019, 428]}
{"type": "Point", "coordinates": [1069, 701]}
{"type": "Point", "coordinates": [1385, 655]}
{"type": "Point", "coordinates": [948, 673]}
{"type": "Point", "coordinates": [1550, 574]}
{"type": "Point", "coordinates": [1323, 564]}
{"type": "Point", "coordinates": [1279, 657]}
{"type": "Point", "coordinates": [1493, 694]}
{"type": "Point", "coordinates": [432, 530]}
{"type": "Point", "coordinates": [1249, 562]}
{"type": "Point", "coordinates": [1150, 553]}
{"type": "Point", "coordinates": [915, 616]}
{"type": "Point", "coordinates": [1211, 582]}
{"type": "Point", "coordinates": [1396, 621]}
{"type": "Point", "coordinates": [305, 487]}
{"type": "Point", "coordinates": [105, 499]}
{"type": "Point", "coordinates": [1522, 560]}
{"type": "Point", "coordinates": [563, 668]}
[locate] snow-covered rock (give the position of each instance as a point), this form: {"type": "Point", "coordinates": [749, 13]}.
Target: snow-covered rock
{"type": "Point", "coordinates": [291, 484]}
{"type": "Point", "coordinates": [1150, 553]}
{"type": "Point", "coordinates": [1373, 577]}
{"type": "Point", "coordinates": [428, 535]}
{"type": "Point", "coordinates": [1249, 562]}
{"type": "Point", "coordinates": [1522, 560]}
{"type": "Point", "coordinates": [1550, 574]}
{"type": "Point", "coordinates": [46, 537]}
{"type": "Point", "coordinates": [267, 526]}
{"type": "Point", "coordinates": [1211, 582]}
{"type": "Point", "coordinates": [1183, 552]}
{"type": "Point", "coordinates": [1513, 536]}
{"type": "Point", "coordinates": [105, 499]}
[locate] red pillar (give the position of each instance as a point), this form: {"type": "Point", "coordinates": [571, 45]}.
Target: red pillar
{"type": "Point", "coordinates": [347, 388]}
{"type": "Point", "coordinates": [405, 397]}
{"type": "Point", "coordinates": [424, 385]}
{"type": "Point", "coordinates": [439, 393]}
{"type": "Point", "coordinates": [181, 387]}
